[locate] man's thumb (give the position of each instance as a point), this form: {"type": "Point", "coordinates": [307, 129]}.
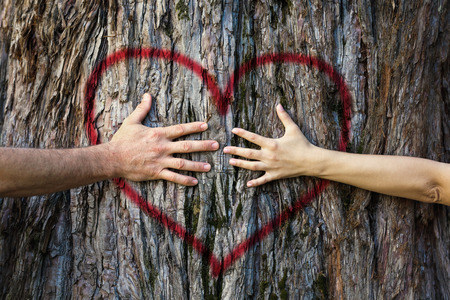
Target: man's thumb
{"type": "Point", "coordinates": [141, 111]}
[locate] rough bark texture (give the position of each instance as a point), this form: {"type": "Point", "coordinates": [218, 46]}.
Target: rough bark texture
{"type": "Point", "coordinates": [92, 242]}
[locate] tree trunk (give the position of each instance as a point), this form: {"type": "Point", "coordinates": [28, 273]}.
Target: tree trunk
{"type": "Point", "coordinates": [93, 242]}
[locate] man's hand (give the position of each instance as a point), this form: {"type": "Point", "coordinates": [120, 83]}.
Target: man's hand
{"type": "Point", "coordinates": [143, 153]}
{"type": "Point", "coordinates": [135, 152]}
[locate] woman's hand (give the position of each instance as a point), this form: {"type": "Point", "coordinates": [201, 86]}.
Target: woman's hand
{"type": "Point", "coordinates": [290, 156]}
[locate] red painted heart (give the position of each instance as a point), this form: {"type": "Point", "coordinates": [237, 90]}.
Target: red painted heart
{"type": "Point", "coordinates": [222, 102]}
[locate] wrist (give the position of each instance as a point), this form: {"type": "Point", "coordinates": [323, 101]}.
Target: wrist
{"type": "Point", "coordinates": [317, 161]}
{"type": "Point", "coordinates": [109, 161]}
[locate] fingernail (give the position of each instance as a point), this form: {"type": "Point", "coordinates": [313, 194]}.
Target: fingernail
{"type": "Point", "coordinates": [249, 184]}
{"type": "Point", "coordinates": [195, 181]}
{"type": "Point", "coordinates": [232, 161]}
{"type": "Point", "coordinates": [204, 126]}
{"type": "Point", "coordinates": [206, 167]}
{"type": "Point", "coordinates": [215, 145]}
{"type": "Point", "coordinates": [280, 107]}
{"type": "Point", "coordinates": [226, 150]}
{"type": "Point", "coordinates": [146, 97]}
{"type": "Point", "coordinates": [234, 130]}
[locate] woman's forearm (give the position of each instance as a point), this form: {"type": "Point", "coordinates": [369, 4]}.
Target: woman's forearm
{"type": "Point", "coordinates": [409, 177]}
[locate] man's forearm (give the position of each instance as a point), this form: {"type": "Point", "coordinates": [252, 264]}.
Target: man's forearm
{"type": "Point", "coordinates": [414, 178]}
{"type": "Point", "coordinates": [27, 172]}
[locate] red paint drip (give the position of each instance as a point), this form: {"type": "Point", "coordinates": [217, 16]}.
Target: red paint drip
{"type": "Point", "coordinates": [222, 102]}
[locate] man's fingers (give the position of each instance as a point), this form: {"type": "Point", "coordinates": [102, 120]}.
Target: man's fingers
{"type": "Point", "coordinates": [244, 152]}
{"type": "Point", "coordinates": [285, 118]}
{"type": "Point", "coordinates": [259, 181]}
{"type": "Point", "coordinates": [177, 178]}
{"type": "Point", "coordinates": [192, 146]}
{"type": "Point", "coordinates": [246, 164]}
{"type": "Point", "coordinates": [176, 131]}
{"type": "Point", "coordinates": [187, 165]}
{"type": "Point", "coordinates": [250, 136]}
{"type": "Point", "coordinates": [141, 111]}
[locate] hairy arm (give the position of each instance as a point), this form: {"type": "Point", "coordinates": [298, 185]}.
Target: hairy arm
{"type": "Point", "coordinates": [292, 155]}
{"type": "Point", "coordinates": [26, 172]}
{"type": "Point", "coordinates": [135, 152]}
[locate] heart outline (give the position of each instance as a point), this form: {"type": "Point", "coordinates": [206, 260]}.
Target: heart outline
{"type": "Point", "coordinates": [222, 102]}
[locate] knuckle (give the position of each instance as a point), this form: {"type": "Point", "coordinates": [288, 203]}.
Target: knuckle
{"type": "Point", "coordinates": [272, 157]}
{"type": "Point", "coordinates": [237, 163]}
{"type": "Point", "coordinates": [273, 145]}
{"type": "Point", "coordinates": [180, 164]}
{"type": "Point", "coordinates": [179, 129]}
{"type": "Point", "coordinates": [155, 134]}
{"type": "Point", "coordinates": [159, 148]}
{"type": "Point", "coordinates": [187, 146]}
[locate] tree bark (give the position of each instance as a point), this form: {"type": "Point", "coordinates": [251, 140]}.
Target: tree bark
{"type": "Point", "coordinates": [93, 242]}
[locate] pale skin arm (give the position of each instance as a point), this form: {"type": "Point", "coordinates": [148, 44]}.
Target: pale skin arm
{"type": "Point", "coordinates": [135, 152]}
{"type": "Point", "coordinates": [293, 155]}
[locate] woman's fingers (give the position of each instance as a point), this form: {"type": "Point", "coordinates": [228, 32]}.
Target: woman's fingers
{"type": "Point", "coordinates": [177, 178]}
{"type": "Point", "coordinates": [243, 152]}
{"type": "Point", "coordinates": [250, 136]}
{"type": "Point", "coordinates": [285, 118]}
{"type": "Point", "coordinates": [246, 164]}
{"type": "Point", "coordinates": [259, 181]}
{"type": "Point", "coordinates": [187, 165]}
